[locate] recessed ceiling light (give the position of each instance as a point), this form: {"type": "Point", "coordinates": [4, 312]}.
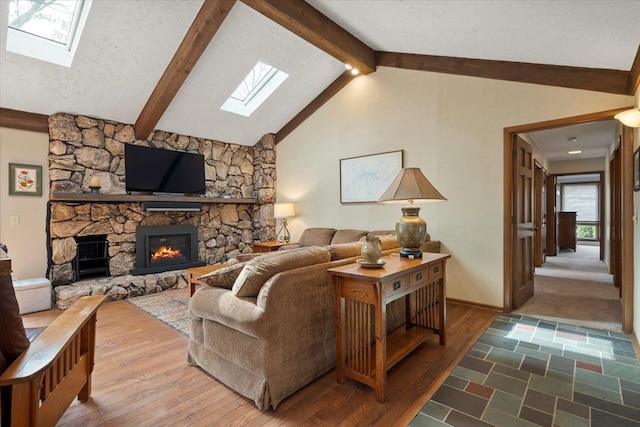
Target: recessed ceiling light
{"type": "Point", "coordinates": [572, 139]}
{"type": "Point", "coordinates": [355, 71]}
{"type": "Point", "coordinates": [347, 66]}
{"type": "Point", "coordinates": [575, 152]}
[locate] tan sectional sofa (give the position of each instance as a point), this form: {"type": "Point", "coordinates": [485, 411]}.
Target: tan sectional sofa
{"type": "Point", "coordinates": [265, 327]}
{"type": "Point", "coordinates": [322, 236]}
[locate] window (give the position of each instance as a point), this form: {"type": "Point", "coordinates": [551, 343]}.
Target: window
{"type": "Point", "coordinates": [46, 29]}
{"type": "Point", "coordinates": [584, 200]}
{"type": "Point", "coordinates": [259, 84]}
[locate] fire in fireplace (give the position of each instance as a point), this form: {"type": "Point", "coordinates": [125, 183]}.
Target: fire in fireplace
{"type": "Point", "coordinates": [166, 253]}
{"type": "Point", "coordinates": [166, 247]}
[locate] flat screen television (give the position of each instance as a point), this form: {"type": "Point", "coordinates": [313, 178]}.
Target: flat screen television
{"type": "Point", "coordinates": [155, 170]}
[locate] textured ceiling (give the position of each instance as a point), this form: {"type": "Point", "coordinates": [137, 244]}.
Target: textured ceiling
{"type": "Point", "coordinates": [127, 44]}
{"type": "Point", "coordinates": [594, 34]}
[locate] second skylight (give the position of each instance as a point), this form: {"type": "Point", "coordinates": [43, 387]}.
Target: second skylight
{"type": "Point", "coordinates": [259, 84]}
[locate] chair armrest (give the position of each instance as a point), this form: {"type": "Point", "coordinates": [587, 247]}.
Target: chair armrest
{"type": "Point", "coordinates": [42, 352]}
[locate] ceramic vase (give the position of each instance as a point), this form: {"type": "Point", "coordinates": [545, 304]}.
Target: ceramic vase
{"type": "Point", "coordinates": [371, 249]}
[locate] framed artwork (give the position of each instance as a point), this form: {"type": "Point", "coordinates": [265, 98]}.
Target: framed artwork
{"type": "Point", "coordinates": [636, 169]}
{"type": "Point", "coordinates": [363, 179]}
{"type": "Point", "coordinates": [25, 180]}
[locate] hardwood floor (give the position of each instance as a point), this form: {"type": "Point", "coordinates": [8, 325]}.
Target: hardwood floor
{"type": "Point", "coordinates": [141, 378]}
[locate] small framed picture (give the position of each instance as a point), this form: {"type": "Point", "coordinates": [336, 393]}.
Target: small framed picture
{"type": "Point", "coordinates": [25, 180]}
{"type": "Point", "coordinates": [636, 170]}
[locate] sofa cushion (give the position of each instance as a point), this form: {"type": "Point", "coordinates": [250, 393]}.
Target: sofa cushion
{"type": "Point", "coordinates": [316, 236]}
{"type": "Point", "coordinates": [345, 250]}
{"type": "Point", "coordinates": [224, 277]}
{"type": "Point", "coordinates": [13, 339]}
{"type": "Point", "coordinates": [389, 241]}
{"type": "Point", "coordinates": [259, 270]}
{"type": "Point", "coordinates": [347, 236]}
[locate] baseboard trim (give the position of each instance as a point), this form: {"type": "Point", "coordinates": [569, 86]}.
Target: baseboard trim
{"type": "Point", "coordinates": [636, 344]}
{"type": "Point", "coordinates": [475, 304]}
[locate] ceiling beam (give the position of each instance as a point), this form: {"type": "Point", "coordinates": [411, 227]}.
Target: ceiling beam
{"type": "Point", "coordinates": [314, 105]}
{"type": "Point", "coordinates": [205, 25]}
{"type": "Point", "coordinates": [22, 120]}
{"type": "Point", "coordinates": [305, 21]}
{"type": "Point", "coordinates": [595, 79]}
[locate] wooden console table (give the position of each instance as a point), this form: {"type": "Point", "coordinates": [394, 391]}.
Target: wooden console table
{"type": "Point", "coordinates": [362, 293]}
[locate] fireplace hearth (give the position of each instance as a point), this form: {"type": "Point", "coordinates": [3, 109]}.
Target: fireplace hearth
{"type": "Point", "coordinates": [166, 247]}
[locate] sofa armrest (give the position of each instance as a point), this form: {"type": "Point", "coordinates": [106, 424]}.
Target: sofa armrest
{"type": "Point", "coordinates": [431, 246]}
{"type": "Point", "coordinates": [289, 246]}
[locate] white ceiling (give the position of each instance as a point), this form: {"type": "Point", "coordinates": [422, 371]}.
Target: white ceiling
{"type": "Point", "coordinates": [594, 139]}
{"type": "Point", "coordinates": [127, 45]}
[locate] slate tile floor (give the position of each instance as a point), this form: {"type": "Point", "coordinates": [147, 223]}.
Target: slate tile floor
{"type": "Point", "coordinates": [529, 372]}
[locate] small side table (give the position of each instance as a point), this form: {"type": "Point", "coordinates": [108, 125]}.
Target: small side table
{"type": "Point", "coordinates": [196, 272]}
{"type": "Point", "coordinates": [268, 246]}
{"type": "Point", "coordinates": [362, 294]}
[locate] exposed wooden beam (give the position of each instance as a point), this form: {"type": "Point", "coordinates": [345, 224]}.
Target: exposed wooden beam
{"type": "Point", "coordinates": [595, 79]}
{"type": "Point", "coordinates": [634, 77]}
{"type": "Point", "coordinates": [314, 105]}
{"type": "Point", "coordinates": [16, 119]}
{"type": "Point", "coordinates": [205, 25]}
{"type": "Point", "coordinates": [302, 19]}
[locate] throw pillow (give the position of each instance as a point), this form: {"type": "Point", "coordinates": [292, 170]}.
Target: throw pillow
{"type": "Point", "coordinates": [316, 236]}
{"type": "Point", "coordinates": [347, 236]}
{"type": "Point", "coordinates": [345, 250]}
{"type": "Point", "coordinates": [13, 339]}
{"type": "Point", "coordinates": [224, 277]}
{"type": "Point", "coordinates": [259, 270]}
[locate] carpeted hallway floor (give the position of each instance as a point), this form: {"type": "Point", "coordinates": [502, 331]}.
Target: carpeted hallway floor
{"type": "Point", "coordinates": [576, 288]}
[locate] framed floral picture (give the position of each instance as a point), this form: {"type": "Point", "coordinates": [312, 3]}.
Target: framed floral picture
{"type": "Point", "coordinates": [25, 180]}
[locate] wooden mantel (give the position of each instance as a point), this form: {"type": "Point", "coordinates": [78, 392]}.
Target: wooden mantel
{"type": "Point", "coordinates": [133, 198]}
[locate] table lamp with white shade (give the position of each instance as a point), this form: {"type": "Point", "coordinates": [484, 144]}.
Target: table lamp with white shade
{"type": "Point", "coordinates": [411, 186]}
{"type": "Point", "coordinates": [283, 211]}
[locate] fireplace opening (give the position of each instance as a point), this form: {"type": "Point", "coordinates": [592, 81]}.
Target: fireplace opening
{"type": "Point", "coordinates": [92, 257]}
{"type": "Point", "coordinates": [166, 247]}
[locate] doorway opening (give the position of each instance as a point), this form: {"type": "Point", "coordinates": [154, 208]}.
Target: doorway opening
{"type": "Point", "coordinates": [516, 255]}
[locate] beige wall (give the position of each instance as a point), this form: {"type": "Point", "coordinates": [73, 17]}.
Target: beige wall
{"type": "Point", "coordinates": [576, 166]}
{"type": "Point", "coordinates": [27, 240]}
{"type": "Point", "coordinates": [449, 126]}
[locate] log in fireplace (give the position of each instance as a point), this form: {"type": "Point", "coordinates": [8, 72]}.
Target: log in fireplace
{"type": "Point", "coordinates": [166, 247]}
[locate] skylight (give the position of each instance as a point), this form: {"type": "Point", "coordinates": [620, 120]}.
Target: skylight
{"type": "Point", "coordinates": [46, 29]}
{"type": "Point", "coordinates": [259, 84]}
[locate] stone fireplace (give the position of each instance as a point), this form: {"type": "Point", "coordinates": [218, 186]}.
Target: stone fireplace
{"type": "Point", "coordinates": [236, 210]}
{"type": "Point", "coordinates": [166, 247]}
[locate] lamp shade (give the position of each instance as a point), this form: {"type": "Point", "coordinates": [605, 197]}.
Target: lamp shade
{"type": "Point", "coordinates": [411, 185]}
{"type": "Point", "coordinates": [630, 117]}
{"type": "Point", "coordinates": [283, 210]}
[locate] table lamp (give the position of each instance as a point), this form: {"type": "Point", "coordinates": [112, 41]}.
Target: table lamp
{"type": "Point", "coordinates": [283, 210]}
{"type": "Point", "coordinates": [410, 186]}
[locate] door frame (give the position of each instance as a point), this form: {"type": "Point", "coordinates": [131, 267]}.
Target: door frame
{"type": "Point", "coordinates": [508, 212]}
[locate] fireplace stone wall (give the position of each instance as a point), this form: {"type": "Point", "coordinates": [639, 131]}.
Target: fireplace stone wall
{"type": "Point", "coordinates": [82, 148]}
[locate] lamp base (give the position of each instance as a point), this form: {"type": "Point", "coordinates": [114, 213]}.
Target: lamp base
{"type": "Point", "coordinates": [410, 253]}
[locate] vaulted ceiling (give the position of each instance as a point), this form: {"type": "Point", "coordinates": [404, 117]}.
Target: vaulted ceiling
{"type": "Point", "coordinates": [170, 64]}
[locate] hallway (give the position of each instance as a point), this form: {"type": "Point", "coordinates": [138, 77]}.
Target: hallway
{"type": "Point", "coordinates": [575, 288]}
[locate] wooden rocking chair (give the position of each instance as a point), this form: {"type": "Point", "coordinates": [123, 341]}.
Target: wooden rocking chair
{"type": "Point", "coordinates": [39, 385]}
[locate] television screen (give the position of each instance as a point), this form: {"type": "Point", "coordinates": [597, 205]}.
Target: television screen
{"type": "Point", "coordinates": [156, 170]}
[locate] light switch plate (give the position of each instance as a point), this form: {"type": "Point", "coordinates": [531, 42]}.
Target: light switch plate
{"type": "Point", "coordinates": [14, 220]}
